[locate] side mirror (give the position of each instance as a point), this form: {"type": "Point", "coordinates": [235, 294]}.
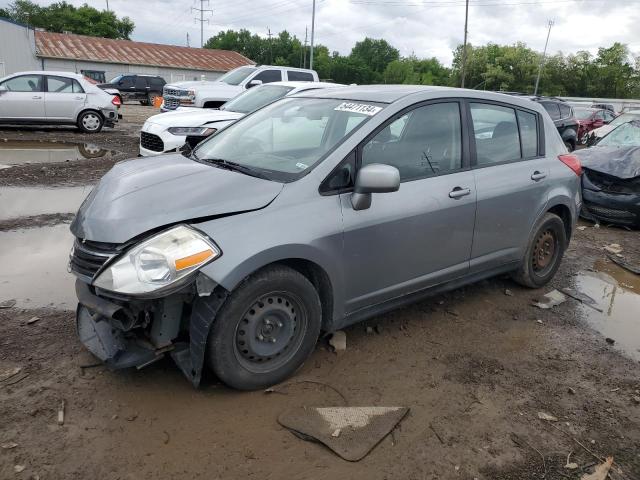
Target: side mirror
{"type": "Point", "coordinates": [3, 89]}
{"type": "Point", "coordinates": [374, 178]}
{"type": "Point", "coordinates": [254, 83]}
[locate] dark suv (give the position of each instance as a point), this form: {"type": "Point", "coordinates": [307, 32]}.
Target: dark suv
{"type": "Point", "coordinates": [562, 115]}
{"type": "Point", "coordinates": [143, 88]}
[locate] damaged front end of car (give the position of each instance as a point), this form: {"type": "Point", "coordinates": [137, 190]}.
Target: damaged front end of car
{"type": "Point", "coordinates": [139, 302]}
{"type": "Point", "coordinates": [609, 199]}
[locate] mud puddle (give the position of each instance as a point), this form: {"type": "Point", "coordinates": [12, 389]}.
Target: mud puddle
{"type": "Point", "coordinates": [21, 152]}
{"type": "Point", "coordinates": [617, 293]}
{"type": "Point", "coordinates": [28, 201]}
{"type": "Point", "coordinates": [34, 267]}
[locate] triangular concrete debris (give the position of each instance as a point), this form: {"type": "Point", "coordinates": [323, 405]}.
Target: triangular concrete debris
{"type": "Point", "coordinates": [351, 432]}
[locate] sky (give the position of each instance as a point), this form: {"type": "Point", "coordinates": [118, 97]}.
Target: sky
{"type": "Point", "coordinates": [426, 28]}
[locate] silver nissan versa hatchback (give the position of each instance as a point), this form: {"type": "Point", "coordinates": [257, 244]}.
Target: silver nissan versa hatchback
{"type": "Point", "coordinates": [310, 214]}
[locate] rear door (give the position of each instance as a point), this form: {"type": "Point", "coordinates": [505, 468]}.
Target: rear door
{"type": "Point", "coordinates": [141, 87]}
{"type": "Point", "coordinates": [64, 98]}
{"type": "Point", "coordinates": [420, 235]}
{"type": "Point", "coordinates": [23, 98]}
{"type": "Point", "coordinates": [511, 179]}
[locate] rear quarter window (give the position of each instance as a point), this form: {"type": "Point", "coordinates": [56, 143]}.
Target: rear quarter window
{"type": "Point", "coordinates": [565, 111]}
{"type": "Point", "coordinates": [294, 76]}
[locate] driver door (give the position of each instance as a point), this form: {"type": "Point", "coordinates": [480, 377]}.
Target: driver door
{"type": "Point", "coordinates": [422, 234]}
{"type": "Point", "coordinates": [23, 98]}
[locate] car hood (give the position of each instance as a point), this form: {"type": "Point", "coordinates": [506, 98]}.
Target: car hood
{"type": "Point", "coordinates": [144, 194]}
{"type": "Point", "coordinates": [621, 162]}
{"type": "Point", "coordinates": [602, 131]}
{"type": "Point", "coordinates": [193, 117]}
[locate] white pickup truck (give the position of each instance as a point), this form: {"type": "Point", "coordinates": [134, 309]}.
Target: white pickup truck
{"type": "Point", "coordinates": [206, 94]}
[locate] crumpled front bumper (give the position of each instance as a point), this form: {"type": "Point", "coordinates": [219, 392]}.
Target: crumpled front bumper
{"type": "Point", "coordinates": [614, 208]}
{"type": "Point", "coordinates": [113, 333]}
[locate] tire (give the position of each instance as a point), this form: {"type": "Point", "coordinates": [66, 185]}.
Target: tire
{"type": "Point", "coordinates": [265, 330]}
{"type": "Point", "coordinates": [90, 121]}
{"type": "Point", "coordinates": [544, 252]}
{"type": "Point", "coordinates": [570, 145]}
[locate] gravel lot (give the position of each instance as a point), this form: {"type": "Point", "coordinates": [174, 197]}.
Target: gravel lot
{"type": "Point", "coordinates": [475, 366]}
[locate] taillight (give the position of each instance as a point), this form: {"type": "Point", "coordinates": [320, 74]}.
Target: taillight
{"type": "Point", "coordinates": [116, 100]}
{"type": "Point", "coordinates": [572, 162]}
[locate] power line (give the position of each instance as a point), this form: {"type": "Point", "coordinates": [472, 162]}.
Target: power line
{"type": "Point", "coordinates": [202, 11]}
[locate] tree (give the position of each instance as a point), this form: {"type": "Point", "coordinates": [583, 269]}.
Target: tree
{"type": "Point", "coordinates": [399, 71]}
{"type": "Point", "coordinates": [377, 54]}
{"type": "Point", "coordinates": [64, 17]}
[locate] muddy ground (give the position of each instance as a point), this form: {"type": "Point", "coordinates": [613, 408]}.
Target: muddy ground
{"type": "Point", "coordinates": [475, 366]}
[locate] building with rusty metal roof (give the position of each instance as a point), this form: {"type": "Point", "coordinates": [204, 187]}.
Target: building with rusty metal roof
{"type": "Point", "coordinates": [23, 48]}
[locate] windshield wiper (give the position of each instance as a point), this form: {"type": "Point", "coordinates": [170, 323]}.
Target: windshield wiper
{"type": "Point", "coordinates": [233, 166]}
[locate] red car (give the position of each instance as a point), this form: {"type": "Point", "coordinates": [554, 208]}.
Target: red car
{"type": "Point", "coordinates": [589, 119]}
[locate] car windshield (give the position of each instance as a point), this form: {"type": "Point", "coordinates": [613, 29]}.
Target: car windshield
{"type": "Point", "coordinates": [256, 98]}
{"type": "Point", "coordinates": [234, 77]}
{"type": "Point", "coordinates": [626, 135]}
{"type": "Point", "coordinates": [583, 113]}
{"type": "Point", "coordinates": [286, 139]}
{"type": "Point", "coordinates": [624, 118]}
{"type": "Point", "coordinates": [116, 79]}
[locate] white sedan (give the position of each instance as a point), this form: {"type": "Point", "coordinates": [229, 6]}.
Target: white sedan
{"type": "Point", "coordinates": [169, 131]}
{"type": "Point", "coordinates": [42, 98]}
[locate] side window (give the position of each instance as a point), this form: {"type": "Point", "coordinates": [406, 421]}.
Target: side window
{"type": "Point", "coordinates": [126, 82]}
{"type": "Point", "coordinates": [342, 177]}
{"type": "Point", "coordinates": [565, 111]}
{"type": "Point", "coordinates": [59, 85]}
{"type": "Point", "coordinates": [425, 142]}
{"type": "Point", "coordinates": [553, 110]}
{"type": "Point", "coordinates": [295, 76]}
{"type": "Point", "coordinates": [599, 115]}
{"type": "Point", "coordinates": [608, 116]}
{"type": "Point", "coordinates": [156, 82]}
{"type": "Point", "coordinates": [496, 133]}
{"type": "Point", "coordinates": [24, 83]}
{"type": "Point", "coordinates": [77, 88]}
{"type": "Point", "coordinates": [268, 76]}
{"type": "Point", "coordinates": [141, 83]}
{"type": "Point", "coordinates": [528, 133]}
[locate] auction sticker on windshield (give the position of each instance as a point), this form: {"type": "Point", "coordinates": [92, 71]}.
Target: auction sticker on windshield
{"type": "Point", "coordinates": [358, 108]}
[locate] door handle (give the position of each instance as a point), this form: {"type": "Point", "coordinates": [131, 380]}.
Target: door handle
{"type": "Point", "coordinates": [538, 175]}
{"type": "Point", "coordinates": [36, 97]}
{"type": "Point", "coordinates": [79, 98]}
{"type": "Point", "coordinates": [459, 192]}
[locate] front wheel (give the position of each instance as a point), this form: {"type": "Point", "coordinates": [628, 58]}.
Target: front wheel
{"type": "Point", "coordinates": [90, 122]}
{"type": "Point", "coordinates": [265, 330]}
{"type": "Point", "coordinates": [544, 252]}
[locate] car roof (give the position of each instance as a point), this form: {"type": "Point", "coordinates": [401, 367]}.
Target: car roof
{"type": "Point", "coordinates": [394, 93]}
{"type": "Point", "coordinates": [47, 72]}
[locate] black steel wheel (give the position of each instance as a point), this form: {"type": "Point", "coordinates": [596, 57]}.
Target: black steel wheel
{"type": "Point", "coordinates": [544, 252]}
{"type": "Point", "coordinates": [265, 330]}
{"type": "Point", "coordinates": [270, 332]}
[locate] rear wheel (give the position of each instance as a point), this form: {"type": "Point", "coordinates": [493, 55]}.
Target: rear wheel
{"type": "Point", "coordinates": [90, 122]}
{"type": "Point", "coordinates": [570, 145]}
{"type": "Point", "coordinates": [265, 330]}
{"type": "Point", "coordinates": [544, 252]}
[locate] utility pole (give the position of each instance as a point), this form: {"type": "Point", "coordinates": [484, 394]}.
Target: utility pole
{"type": "Point", "coordinates": [188, 40]}
{"type": "Point", "coordinates": [202, 11]}
{"type": "Point", "coordinates": [313, 29]}
{"type": "Point", "coordinates": [544, 54]}
{"type": "Point", "coordinates": [464, 45]}
{"type": "Point", "coordinates": [270, 49]}
{"type": "Point", "coordinates": [107, 5]}
{"type": "Point", "coordinates": [304, 61]}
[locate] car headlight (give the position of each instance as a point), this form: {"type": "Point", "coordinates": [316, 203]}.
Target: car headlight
{"type": "Point", "coordinates": [160, 261]}
{"type": "Point", "coordinates": [198, 131]}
